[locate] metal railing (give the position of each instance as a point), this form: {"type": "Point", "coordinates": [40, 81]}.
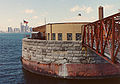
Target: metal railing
{"type": "Point", "coordinates": [103, 36]}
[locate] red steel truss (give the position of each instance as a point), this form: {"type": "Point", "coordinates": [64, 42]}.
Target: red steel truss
{"type": "Point", "coordinates": [103, 37]}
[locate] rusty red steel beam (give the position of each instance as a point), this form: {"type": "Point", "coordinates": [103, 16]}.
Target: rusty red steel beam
{"type": "Point", "coordinates": [101, 44]}
{"type": "Point", "coordinates": [117, 14]}
{"type": "Point", "coordinates": [84, 35]}
{"type": "Point", "coordinates": [117, 50]}
{"type": "Point", "coordinates": [102, 32]}
{"type": "Point", "coordinates": [96, 36]}
{"type": "Point", "coordinates": [92, 39]}
{"type": "Point", "coordinates": [113, 40]}
{"type": "Point", "coordinates": [108, 34]}
{"type": "Point", "coordinates": [88, 35]}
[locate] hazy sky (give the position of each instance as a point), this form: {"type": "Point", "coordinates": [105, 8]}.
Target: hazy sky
{"type": "Point", "coordinates": [12, 12]}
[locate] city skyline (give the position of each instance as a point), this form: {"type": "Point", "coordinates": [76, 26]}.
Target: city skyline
{"type": "Point", "coordinates": [23, 28]}
{"type": "Point", "coordinates": [35, 11]}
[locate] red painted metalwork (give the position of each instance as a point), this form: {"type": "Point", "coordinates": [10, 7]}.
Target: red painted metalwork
{"type": "Point", "coordinates": [103, 37]}
{"type": "Point", "coordinates": [75, 71]}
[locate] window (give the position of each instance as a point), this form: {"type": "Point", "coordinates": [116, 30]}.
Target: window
{"type": "Point", "coordinates": [59, 36]}
{"type": "Point", "coordinates": [48, 36]}
{"type": "Point", "coordinates": [78, 36]}
{"type": "Point", "coordinates": [53, 36]}
{"type": "Point", "coordinates": [69, 36]}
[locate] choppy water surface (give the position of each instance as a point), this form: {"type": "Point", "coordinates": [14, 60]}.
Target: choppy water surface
{"type": "Point", "coordinates": [11, 71]}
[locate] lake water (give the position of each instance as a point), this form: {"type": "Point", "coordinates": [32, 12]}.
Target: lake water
{"type": "Point", "coordinates": [11, 71]}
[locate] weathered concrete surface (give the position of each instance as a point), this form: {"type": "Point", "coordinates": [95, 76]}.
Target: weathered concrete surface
{"type": "Point", "coordinates": [64, 59]}
{"type": "Point", "coordinates": [57, 52]}
{"type": "Point", "coordinates": [72, 71]}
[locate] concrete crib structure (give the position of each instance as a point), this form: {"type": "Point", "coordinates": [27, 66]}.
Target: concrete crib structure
{"type": "Point", "coordinates": [64, 59]}
{"type": "Point", "coordinates": [56, 49]}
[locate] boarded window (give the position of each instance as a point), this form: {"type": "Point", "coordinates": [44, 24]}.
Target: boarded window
{"type": "Point", "coordinates": [78, 36]}
{"type": "Point", "coordinates": [53, 36]}
{"type": "Point", "coordinates": [69, 36]}
{"type": "Point", "coordinates": [59, 36]}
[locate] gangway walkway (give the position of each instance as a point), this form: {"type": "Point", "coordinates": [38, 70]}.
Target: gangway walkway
{"type": "Point", "coordinates": [103, 37]}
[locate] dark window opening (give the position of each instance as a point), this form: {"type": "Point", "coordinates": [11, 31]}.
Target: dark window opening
{"type": "Point", "coordinates": [69, 36]}
{"type": "Point", "coordinates": [78, 36]}
{"type": "Point", "coordinates": [53, 36]}
{"type": "Point", "coordinates": [59, 36]}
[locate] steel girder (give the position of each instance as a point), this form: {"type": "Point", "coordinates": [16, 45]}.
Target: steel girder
{"type": "Point", "coordinates": [103, 37]}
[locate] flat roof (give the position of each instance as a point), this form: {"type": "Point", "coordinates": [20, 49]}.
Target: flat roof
{"type": "Point", "coordinates": [70, 23]}
{"type": "Point", "coordinates": [64, 23]}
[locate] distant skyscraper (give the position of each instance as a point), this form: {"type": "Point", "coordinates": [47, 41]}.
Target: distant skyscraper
{"type": "Point", "coordinates": [10, 30]}
{"type": "Point", "coordinates": [22, 27]}
{"type": "Point", "coordinates": [25, 28]}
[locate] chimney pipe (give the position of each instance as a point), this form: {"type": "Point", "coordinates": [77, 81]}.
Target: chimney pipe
{"type": "Point", "coordinates": [101, 13]}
